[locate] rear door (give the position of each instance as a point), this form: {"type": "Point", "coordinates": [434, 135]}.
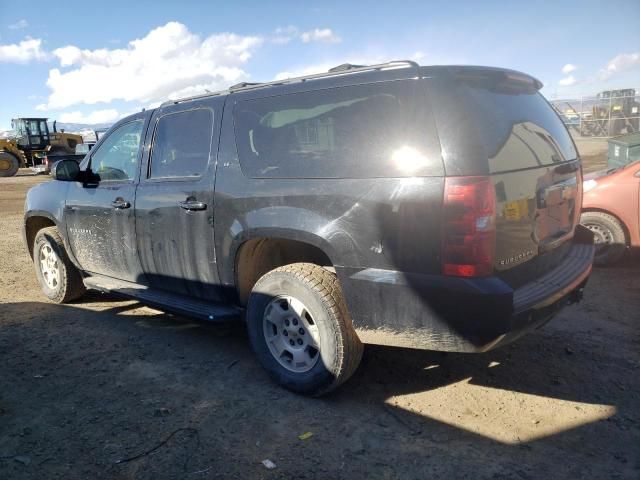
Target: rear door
{"type": "Point", "coordinates": [174, 200]}
{"type": "Point", "coordinates": [495, 122]}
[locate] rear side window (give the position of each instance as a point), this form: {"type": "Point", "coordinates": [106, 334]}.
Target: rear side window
{"type": "Point", "coordinates": [375, 130]}
{"type": "Point", "coordinates": [182, 144]}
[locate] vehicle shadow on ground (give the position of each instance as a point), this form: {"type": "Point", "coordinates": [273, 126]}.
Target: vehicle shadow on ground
{"type": "Point", "coordinates": [105, 363]}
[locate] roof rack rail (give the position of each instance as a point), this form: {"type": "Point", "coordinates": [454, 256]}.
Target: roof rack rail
{"type": "Point", "coordinates": [193, 97]}
{"type": "Point", "coordinates": [344, 69]}
{"type": "Point", "coordinates": [345, 66]}
{"type": "Point", "coordinates": [243, 84]}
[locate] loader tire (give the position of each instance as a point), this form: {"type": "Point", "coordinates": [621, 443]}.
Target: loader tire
{"type": "Point", "coordinates": [9, 164]}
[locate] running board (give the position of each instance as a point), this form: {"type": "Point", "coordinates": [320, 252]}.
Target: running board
{"type": "Point", "coordinates": [165, 300]}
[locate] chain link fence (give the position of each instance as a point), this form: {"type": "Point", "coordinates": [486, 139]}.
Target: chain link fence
{"type": "Point", "coordinates": [608, 114]}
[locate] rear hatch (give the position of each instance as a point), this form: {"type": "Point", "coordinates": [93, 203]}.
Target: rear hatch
{"type": "Point", "coordinates": [495, 123]}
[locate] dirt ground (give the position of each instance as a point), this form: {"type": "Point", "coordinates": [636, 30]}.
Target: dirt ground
{"type": "Point", "coordinates": [86, 388]}
{"type": "Point", "coordinates": [593, 152]}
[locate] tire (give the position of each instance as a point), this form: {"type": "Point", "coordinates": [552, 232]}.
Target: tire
{"type": "Point", "coordinates": [609, 237]}
{"type": "Point", "coordinates": [9, 164]}
{"type": "Point", "coordinates": [60, 280]}
{"type": "Point", "coordinates": [310, 295]}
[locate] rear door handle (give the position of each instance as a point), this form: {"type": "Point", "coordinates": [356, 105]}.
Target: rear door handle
{"type": "Point", "coordinates": [192, 205]}
{"type": "Point", "coordinates": [120, 204]}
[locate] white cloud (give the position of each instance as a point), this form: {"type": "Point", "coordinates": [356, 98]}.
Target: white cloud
{"type": "Point", "coordinates": [325, 35]}
{"type": "Point", "coordinates": [568, 68]}
{"type": "Point", "coordinates": [168, 62]}
{"type": "Point", "coordinates": [417, 56]}
{"type": "Point", "coordinates": [283, 35]}
{"type": "Point", "coordinates": [620, 63]}
{"type": "Point", "coordinates": [567, 81]}
{"type": "Point", "coordinates": [23, 52]}
{"type": "Point", "coordinates": [97, 116]}
{"type": "Point", "coordinates": [306, 70]}
{"type": "Point", "coordinates": [20, 24]}
{"type": "Point", "coordinates": [322, 67]}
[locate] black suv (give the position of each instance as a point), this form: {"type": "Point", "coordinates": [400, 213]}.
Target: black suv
{"type": "Point", "coordinates": [430, 207]}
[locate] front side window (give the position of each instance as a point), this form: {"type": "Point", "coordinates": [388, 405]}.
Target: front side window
{"type": "Point", "coordinates": [182, 144]}
{"type": "Point", "coordinates": [117, 157]}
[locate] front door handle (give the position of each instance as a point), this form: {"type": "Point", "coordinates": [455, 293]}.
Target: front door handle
{"type": "Point", "coordinates": [192, 205]}
{"type": "Point", "coordinates": [120, 204]}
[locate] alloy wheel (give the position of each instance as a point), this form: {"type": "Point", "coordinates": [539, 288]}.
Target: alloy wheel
{"type": "Point", "coordinates": [49, 266]}
{"type": "Point", "coordinates": [291, 334]}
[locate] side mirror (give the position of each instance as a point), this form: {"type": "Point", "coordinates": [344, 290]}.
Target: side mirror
{"type": "Point", "coordinates": [66, 171]}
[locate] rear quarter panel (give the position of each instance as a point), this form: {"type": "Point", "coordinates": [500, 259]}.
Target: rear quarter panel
{"type": "Point", "coordinates": [388, 223]}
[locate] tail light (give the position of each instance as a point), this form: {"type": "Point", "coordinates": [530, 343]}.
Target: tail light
{"type": "Point", "coordinates": [469, 227]}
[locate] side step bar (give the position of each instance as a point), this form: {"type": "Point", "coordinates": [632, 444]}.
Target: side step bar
{"type": "Point", "coordinates": [165, 300]}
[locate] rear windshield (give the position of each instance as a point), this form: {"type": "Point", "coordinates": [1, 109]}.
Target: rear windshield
{"type": "Point", "coordinates": [511, 128]}
{"type": "Point", "coordinates": [375, 130]}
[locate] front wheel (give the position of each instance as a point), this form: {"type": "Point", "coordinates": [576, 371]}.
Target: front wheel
{"type": "Point", "coordinates": [300, 329]}
{"type": "Point", "coordinates": [9, 164]}
{"type": "Point", "coordinates": [61, 282]}
{"type": "Point", "coordinates": [608, 235]}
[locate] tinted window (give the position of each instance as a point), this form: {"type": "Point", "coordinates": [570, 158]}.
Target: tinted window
{"type": "Point", "coordinates": [512, 127]}
{"type": "Point", "coordinates": [182, 144]}
{"type": "Point", "coordinates": [117, 156]}
{"type": "Point", "coordinates": [376, 130]}
{"type": "Point", "coordinates": [520, 130]}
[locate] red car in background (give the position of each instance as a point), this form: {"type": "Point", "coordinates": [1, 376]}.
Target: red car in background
{"type": "Point", "coordinates": [611, 210]}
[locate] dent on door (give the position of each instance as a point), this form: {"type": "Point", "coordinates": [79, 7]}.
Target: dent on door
{"type": "Point", "coordinates": [100, 230]}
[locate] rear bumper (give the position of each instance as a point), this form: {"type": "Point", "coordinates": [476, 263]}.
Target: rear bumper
{"type": "Point", "coordinates": [458, 314]}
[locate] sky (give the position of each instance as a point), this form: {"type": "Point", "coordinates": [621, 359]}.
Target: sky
{"type": "Point", "coordinates": [95, 62]}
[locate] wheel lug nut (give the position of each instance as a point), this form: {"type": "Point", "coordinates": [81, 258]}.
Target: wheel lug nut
{"type": "Point", "coordinates": [285, 333]}
{"type": "Point", "coordinates": [295, 321]}
{"type": "Point", "coordinates": [286, 322]}
{"type": "Point", "coordinates": [299, 341]}
{"type": "Point", "coordinates": [292, 342]}
{"type": "Point", "coordinates": [301, 331]}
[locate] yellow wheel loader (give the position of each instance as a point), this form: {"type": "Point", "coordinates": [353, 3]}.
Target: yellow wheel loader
{"type": "Point", "coordinates": [33, 141]}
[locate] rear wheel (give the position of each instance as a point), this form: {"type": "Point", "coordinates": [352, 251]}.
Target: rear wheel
{"type": "Point", "coordinates": [60, 280]}
{"type": "Point", "coordinates": [300, 329]}
{"type": "Point", "coordinates": [609, 237]}
{"type": "Point", "coordinates": [9, 164]}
